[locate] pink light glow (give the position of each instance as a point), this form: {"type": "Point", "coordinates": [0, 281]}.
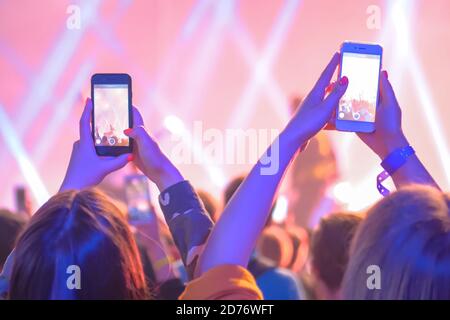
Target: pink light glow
{"type": "Point", "coordinates": [137, 39]}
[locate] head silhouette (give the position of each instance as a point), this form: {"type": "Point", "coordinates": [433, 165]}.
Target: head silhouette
{"type": "Point", "coordinates": [77, 232]}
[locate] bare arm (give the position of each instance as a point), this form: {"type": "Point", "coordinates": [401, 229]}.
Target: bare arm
{"type": "Point", "coordinates": [389, 136]}
{"type": "Point", "coordinates": [234, 236]}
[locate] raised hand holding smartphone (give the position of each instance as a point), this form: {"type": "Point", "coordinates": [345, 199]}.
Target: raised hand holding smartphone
{"type": "Point", "coordinates": [86, 168]}
{"type": "Point", "coordinates": [389, 137]}
{"type": "Point", "coordinates": [149, 158]}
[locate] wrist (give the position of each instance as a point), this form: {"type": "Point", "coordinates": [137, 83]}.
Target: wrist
{"type": "Point", "coordinates": [168, 176]}
{"type": "Point", "coordinates": [391, 163]}
{"type": "Point", "coordinates": [391, 144]}
{"type": "Point", "coordinates": [70, 184]}
{"type": "Point", "coordinates": [291, 140]}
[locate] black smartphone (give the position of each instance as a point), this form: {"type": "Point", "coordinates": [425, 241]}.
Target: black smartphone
{"type": "Point", "coordinates": [111, 113]}
{"type": "Point", "coordinates": [138, 198]}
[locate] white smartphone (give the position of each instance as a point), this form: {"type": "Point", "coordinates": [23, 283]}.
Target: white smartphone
{"type": "Point", "coordinates": [361, 64]}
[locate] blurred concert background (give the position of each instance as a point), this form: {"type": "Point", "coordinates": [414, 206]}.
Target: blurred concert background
{"type": "Point", "coordinates": [232, 64]}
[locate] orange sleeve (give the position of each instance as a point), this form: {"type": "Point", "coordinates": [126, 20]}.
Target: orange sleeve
{"type": "Point", "coordinates": [227, 282]}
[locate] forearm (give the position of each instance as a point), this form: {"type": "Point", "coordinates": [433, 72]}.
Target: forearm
{"type": "Point", "coordinates": [413, 171]}
{"type": "Point", "coordinates": [235, 234]}
{"type": "Point", "coordinates": [188, 222]}
{"type": "Point", "coordinates": [168, 175]}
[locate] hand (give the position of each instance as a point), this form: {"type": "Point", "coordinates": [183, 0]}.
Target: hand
{"type": "Point", "coordinates": [87, 169]}
{"type": "Point", "coordinates": [149, 158]}
{"type": "Point", "coordinates": [316, 110]}
{"type": "Point", "coordinates": [388, 134]}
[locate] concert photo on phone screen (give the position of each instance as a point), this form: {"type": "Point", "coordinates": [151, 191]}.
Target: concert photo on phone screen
{"type": "Point", "coordinates": [359, 101]}
{"type": "Point", "coordinates": [111, 114]}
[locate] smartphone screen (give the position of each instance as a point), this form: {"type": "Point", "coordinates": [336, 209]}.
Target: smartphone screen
{"type": "Point", "coordinates": [360, 100]}
{"type": "Point", "coordinates": [111, 94]}
{"type": "Point", "coordinates": [111, 114]}
{"type": "Point", "coordinates": [360, 63]}
{"type": "Point", "coordinates": [138, 198]}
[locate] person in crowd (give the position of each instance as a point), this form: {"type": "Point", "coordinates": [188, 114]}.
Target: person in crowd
{"type": "Point", "coordinates": [161, 243]}
{"type": "Point", "coordinates": [300, 243]}
{"type": "Point", "coordinates": [81, 227]}
{"type": "Point", "coordinates": [210, 204]}
{"type": "Point", "coordinates": [276, 283]}
{"type": "Point", "coordinates": [427, 265]}
{"type": "Point", "coordinates": [11, 225]}
{"type": "Point", "coordinates": [330, 249]}
{"type": "Point", "coordinates": [244, 217]}
{"type": "Point", "coordinates": [277, 245]}
{"type": "Point", "coordinates": [402, 249]}
{"type": "Point", "coordinates": [77, 232]}
{"type": "Point", "coordinates": [404, 242]}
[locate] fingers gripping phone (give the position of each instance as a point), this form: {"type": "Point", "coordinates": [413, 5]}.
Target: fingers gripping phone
{"type": "Point", "coordinates": [111, 113]}
{"type": "Point", "coordinates": [361, 64]}
{"type": "Point", "coordinates": [138, 198]}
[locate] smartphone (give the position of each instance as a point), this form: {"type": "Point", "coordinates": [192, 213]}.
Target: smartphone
{"type": "Point", "coordinates": [361, 64]}
{"type": "Point", "coordinates": [138, 198]}
{"type": "Point", "coordinates": [111, 113]}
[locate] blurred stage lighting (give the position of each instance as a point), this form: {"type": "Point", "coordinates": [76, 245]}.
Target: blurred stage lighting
{"type": "Point", "coordinates": [174, 125]}
{"type": "Point", "coordinates": [280, 211]}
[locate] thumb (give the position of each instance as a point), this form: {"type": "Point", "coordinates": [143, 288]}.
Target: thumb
{"type": "Point", "coordinates": [333, 98]}
{"type": "Point", "coordinates": [118, 162]}
{"type": "Point", "coordinates": [138, 133]}
{"type": "Point", "coordinates": [387, 93]}
{"type": "Point", "coordinates": [140, 136]}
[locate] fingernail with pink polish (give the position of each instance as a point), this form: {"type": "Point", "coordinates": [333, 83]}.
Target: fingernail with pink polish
{"type": "Point", "coordinates": [343, 81]}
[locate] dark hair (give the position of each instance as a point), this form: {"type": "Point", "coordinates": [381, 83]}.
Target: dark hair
{"type": "Point", "coordinates": [231, 188]}
{"type": "Point", "coordinates": [82, 228]}
{"type": "Point", "coordinates": [331, 245]}
{"type": "Point", "coordinates": [10, 227]}
{"type": "Point", "coordinates": [210, 204]}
